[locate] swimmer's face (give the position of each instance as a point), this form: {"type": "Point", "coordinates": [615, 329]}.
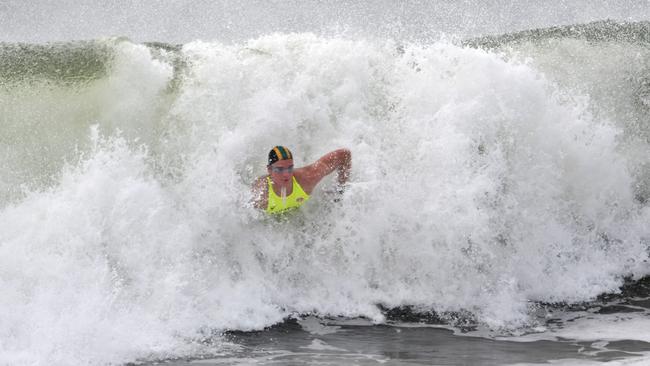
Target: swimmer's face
{"type": "Point", "coordinates": [281, 171]}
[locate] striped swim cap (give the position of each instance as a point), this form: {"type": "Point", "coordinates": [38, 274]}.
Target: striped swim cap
{"type": "Point", "coordinates": [279, 153]}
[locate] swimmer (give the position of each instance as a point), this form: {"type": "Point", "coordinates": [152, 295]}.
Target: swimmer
{"type": "Point", "coordinates": [286, 188]}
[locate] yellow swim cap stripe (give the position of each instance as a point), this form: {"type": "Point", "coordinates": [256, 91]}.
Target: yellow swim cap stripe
{"type": "Point", "coordinates": [277, 152]}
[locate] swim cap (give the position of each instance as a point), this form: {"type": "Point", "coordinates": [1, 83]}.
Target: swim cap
{"type": "Point", "coordinates": [279, 153]}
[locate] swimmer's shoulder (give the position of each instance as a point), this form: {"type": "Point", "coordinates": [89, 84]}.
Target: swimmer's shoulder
{"type": "Point", "coordinates": [260, 196]}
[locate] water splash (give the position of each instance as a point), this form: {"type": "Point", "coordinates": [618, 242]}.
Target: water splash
{"type": "Point", "coordinates": [479, 184]}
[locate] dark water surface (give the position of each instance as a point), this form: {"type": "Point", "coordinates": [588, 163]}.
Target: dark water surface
{"type": "Point", "coordinates": [308, 343]}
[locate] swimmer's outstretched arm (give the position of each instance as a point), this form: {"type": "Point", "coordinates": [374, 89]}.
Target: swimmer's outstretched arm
{"type": "Point", "coordinates": [339, 160]}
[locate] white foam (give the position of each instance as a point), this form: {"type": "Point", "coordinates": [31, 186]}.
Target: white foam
{"type": "Point", "coordinates": [319, 345]}
{"type": "Point", "coordinates": [631, 361]}
{"type": "Point", "coordinates": [588, 327]}
{"type": "Point", "coordinates": [314, 326]}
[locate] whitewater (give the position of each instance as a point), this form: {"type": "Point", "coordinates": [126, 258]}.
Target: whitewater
{"type": "Point", "coordinates": [498, 183]}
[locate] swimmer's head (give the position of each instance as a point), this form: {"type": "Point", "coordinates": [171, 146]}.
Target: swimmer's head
{"type": "Point", "coordinates": [280, 166]}
{"type": "Point", "coordinates": [279, 153]}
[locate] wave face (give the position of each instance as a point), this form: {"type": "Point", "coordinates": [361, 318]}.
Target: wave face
{"type": "Point", "coordinates": [486, 178]}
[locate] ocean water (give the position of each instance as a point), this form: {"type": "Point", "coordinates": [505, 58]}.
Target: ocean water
{"type": "Point", "coordinates": [497, 211]}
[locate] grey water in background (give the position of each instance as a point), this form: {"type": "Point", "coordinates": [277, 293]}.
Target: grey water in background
{"type": "Point", "coordinates": [184, 21]}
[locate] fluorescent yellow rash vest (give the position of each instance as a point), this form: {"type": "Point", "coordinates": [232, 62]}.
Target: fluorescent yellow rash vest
{"type": "Point", "coordinates": [294, 200]}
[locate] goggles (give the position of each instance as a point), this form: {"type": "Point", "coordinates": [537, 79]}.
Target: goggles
{"type": "Point", "coordinates": [280, 170]}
